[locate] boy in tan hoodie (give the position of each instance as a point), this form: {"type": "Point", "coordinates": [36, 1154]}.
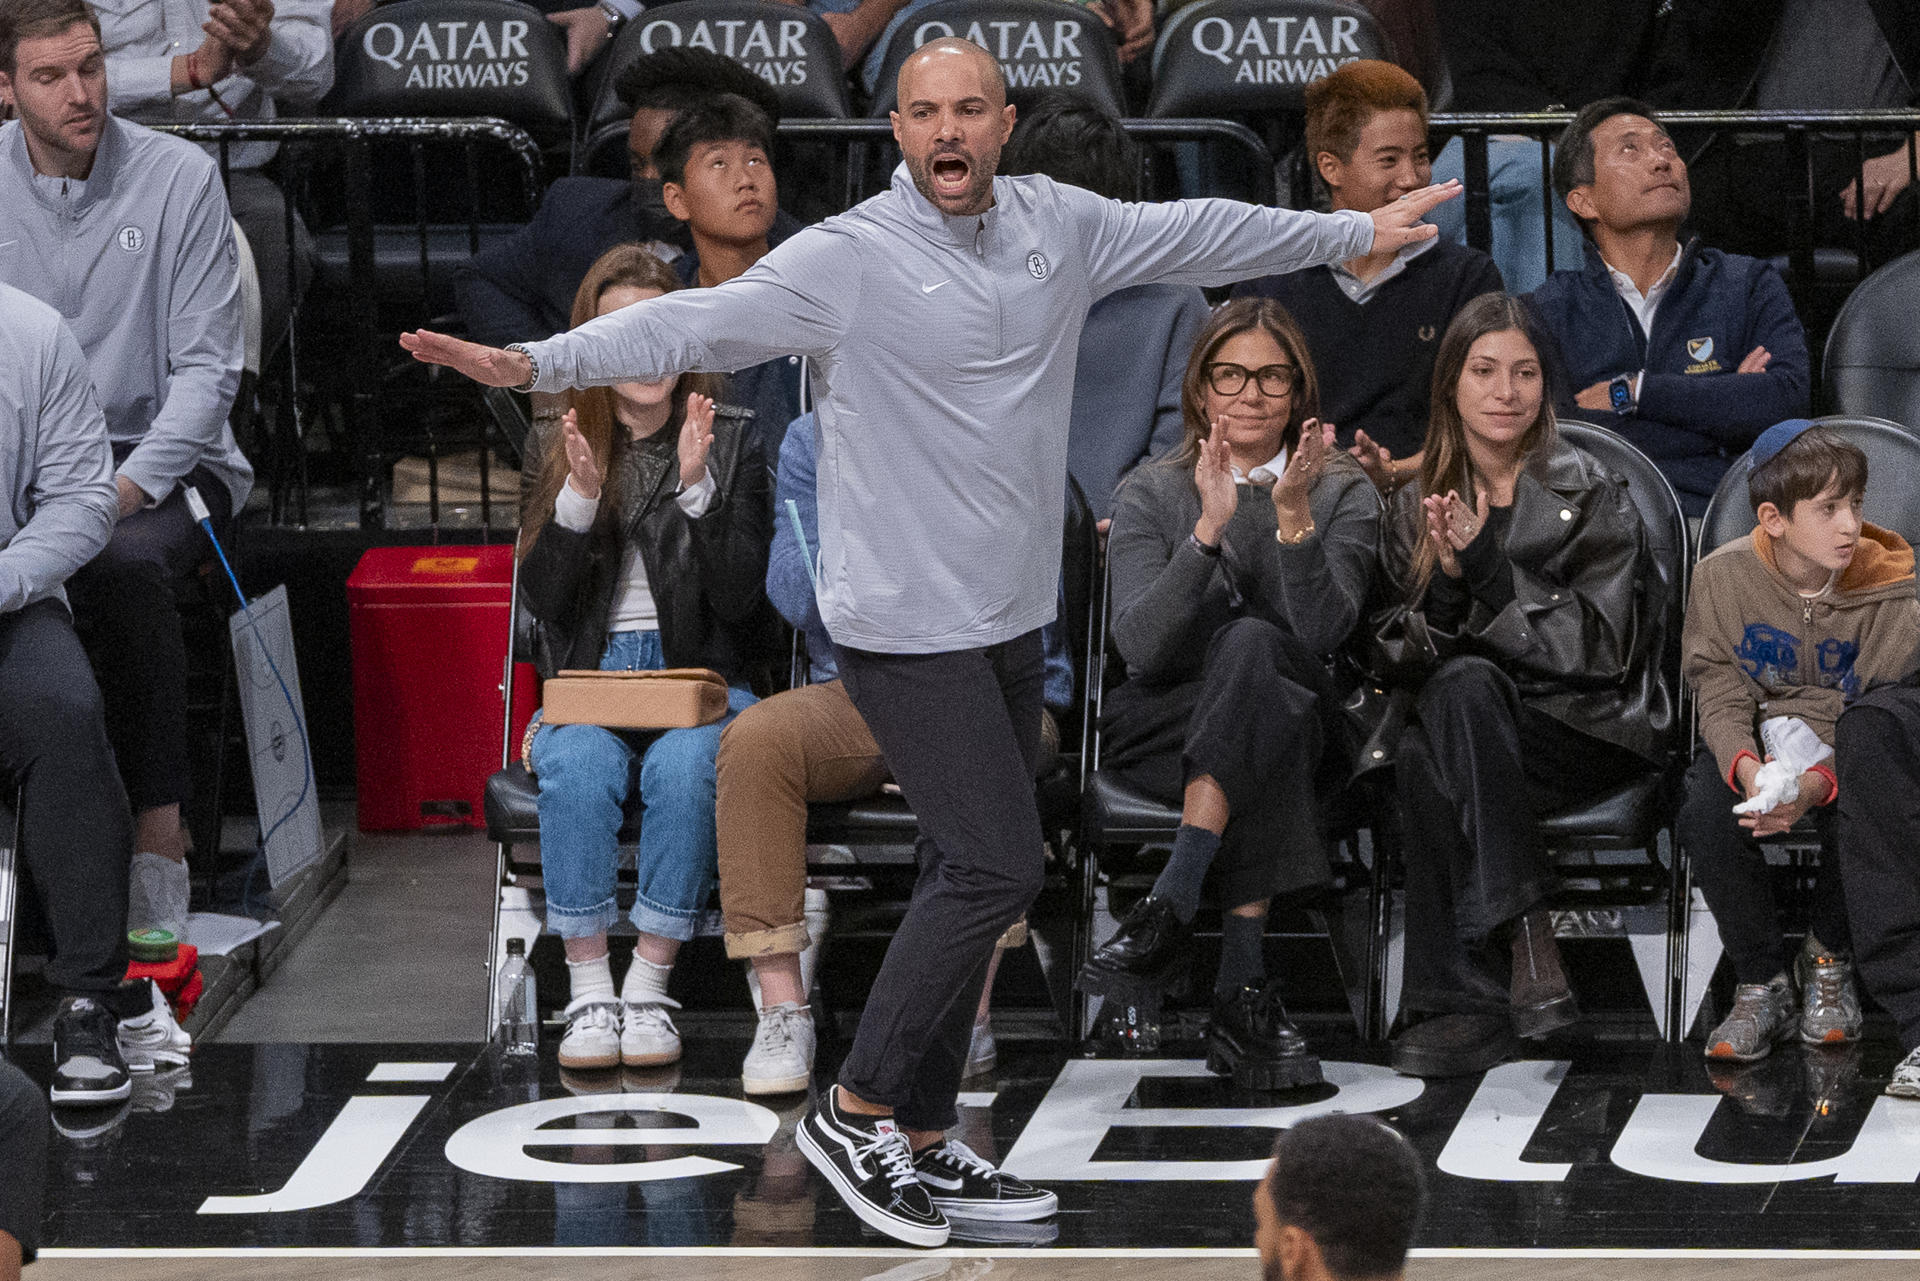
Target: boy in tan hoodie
{"type": "Point", "coordinates": [1813, 611]}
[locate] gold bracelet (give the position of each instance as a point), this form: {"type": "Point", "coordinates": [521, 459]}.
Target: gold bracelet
{"type": "Point", "coordinates": [1297, 539]}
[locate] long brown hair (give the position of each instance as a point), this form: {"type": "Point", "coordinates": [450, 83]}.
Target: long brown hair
{"type": "Point", "coordinates": [1445, 463]}
{"type": "Point", "coordinates": [622, 265]}
{"type": "Point", "coordinates": [1230, 321]}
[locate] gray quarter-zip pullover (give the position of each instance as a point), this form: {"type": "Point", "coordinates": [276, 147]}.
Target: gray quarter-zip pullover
{"type": "Point", "coordinates": [140, 260]}
{"type": "Point", "coordinates": [943, 357]}
{"type": "Point", "coordinates": [56, 471]}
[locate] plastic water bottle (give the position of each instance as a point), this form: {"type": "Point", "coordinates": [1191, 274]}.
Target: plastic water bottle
{"type": "Point", "coordinates": [519, 1025]}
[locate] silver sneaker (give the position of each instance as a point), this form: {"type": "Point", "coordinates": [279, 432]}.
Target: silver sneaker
{"type": "Point", "coordinates": [982, 1053]}
{"type": "Point", "coordinates": [1906, 1078]}
{"type": "Point", "coordinates": [1763, 1013]}
{"type": "Point", "coordinates": [1830, 1000]}
{"type": "Point", "coordinates": [781, 1060]}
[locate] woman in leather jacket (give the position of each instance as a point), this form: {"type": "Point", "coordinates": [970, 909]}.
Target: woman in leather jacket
{"type": "Point", "coordinates": [1238, 564]}
{"type": "Point", "coordinates": [1527, 600]}
{"type": "Point", "coordinates": [644, 546]}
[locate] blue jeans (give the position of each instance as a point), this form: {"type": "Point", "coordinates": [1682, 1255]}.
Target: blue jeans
{"type": "Point", "coordinates": [1519, 230]}
{"type": "Point", "coordinates": [586, 774]}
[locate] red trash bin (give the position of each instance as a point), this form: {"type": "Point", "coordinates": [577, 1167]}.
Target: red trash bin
{"type": "Point", "coordinates": [429, 628]}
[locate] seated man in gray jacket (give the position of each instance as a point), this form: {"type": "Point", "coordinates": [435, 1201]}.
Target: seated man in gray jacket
{"type": "Point", "coordinates": [56, 511]}
{"type": "Point", "coordinates": [127, 234]}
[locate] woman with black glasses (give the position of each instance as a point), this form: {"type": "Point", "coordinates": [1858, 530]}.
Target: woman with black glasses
{"type": "Point", "coordinates": [1239, 563]}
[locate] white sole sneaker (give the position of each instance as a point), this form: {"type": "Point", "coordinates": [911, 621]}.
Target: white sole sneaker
{"type": "Point", "coordinates": [871, 1215]}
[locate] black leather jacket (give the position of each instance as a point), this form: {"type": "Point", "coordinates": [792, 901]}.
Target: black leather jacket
{"type": "Point", "coordinates": [1584, 631]}
{"type": "Point", "coordinates": [707, 576]}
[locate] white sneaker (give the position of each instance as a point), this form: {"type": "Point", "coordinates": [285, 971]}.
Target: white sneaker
{"type": "Point", "coordinates": [592, 1039]}
{"type": "Point", "coordinates": [1906, 1078]}
{"type": "Point", "coordinates": [648, 1037]}
{"type": "Point", "coordinates": [781, 1060]}
{"type": "Point", "coordinates": [154, 1039]}
{"type": "Point", "coordinates": [982, 1053]}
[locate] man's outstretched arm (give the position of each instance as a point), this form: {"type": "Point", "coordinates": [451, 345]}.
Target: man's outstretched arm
{"type": "Point", "coordinates": [799, 300]}
{"type": "Point", "coordinates": [1217, 242]}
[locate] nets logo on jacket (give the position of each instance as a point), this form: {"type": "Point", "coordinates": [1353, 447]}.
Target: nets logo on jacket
{"type": "Point", "coordinates": [1771, 657]}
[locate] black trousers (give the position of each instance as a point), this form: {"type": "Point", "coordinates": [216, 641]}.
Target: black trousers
{"type": "Point", "coordinates": [1878, 751]}
{"type": "Point", "coordinates": [23, 1157]}
{"type": "Point", "coordinates": [961, 733]}
{"type": "Point", "coordinates": [1741, 204]}
{"type": "Point", "coordinates": [1475, 770]}
{"type": "Point", "coordinates": [124, 603]}
{"type": "Point", "coordinates": [1258, 722]}
{"type": "Point", "coordinates": [1731, 870]}
{"type": "Point", "coordinates": [76, 832]}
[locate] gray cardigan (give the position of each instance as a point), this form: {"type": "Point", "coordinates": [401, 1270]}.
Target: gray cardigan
{"type": "Point", "coordinates": [1169, 599]}
{"type": "Point", "coordinates": [56, 472]}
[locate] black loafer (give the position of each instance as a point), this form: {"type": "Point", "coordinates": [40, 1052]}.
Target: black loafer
{"type": "Point", "coordinates": [1250, 1038]}
{"type": "Point", "coordinates": [1454, 1045]}
{"type": "Point", "coordinates": [1152, 948]}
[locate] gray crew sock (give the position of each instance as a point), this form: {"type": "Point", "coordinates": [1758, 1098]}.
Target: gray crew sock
{"type": "Point", "coordinates": [1242, 958]}
{"type": "Point", "coordinates": [1179, 882]}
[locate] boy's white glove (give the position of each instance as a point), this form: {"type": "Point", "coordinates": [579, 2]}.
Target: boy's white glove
{"type": "Point", "coordinates": [1795, 749]}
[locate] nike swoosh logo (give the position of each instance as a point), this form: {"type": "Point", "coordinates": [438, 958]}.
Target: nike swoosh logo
{"type": "Point", "coordinates": [927, 289]}
{"type": "Point", "coordinates": [934, 1180]}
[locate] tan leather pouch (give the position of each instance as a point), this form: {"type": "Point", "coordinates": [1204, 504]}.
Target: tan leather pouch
{"type": "Point", "coordinates": [678, 698]}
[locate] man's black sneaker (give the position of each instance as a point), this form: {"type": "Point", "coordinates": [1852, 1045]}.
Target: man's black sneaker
{"type": "Point", "coordinates": [868, 1162]}
{"type": "Point", "coordinates": [87, 1066]}
{"type": "Point", "coordinates": [1250, 1039]}
{"type": "Point", "coordinates": [1152, 948]}
{"type": "Point", "coordinates": [964, 1186]}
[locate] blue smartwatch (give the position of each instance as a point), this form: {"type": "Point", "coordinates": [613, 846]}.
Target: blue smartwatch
{"type": "Point", "coordinates": [1620, 393]}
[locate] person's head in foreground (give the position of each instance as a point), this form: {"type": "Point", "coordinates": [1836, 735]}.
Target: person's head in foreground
{"type": "Point", "coordinates": [1339, 1203]}
{"type": "Point", "coordinates": [53, 74]}
{"type": "Point", "coordinates": [1366, 130]}
{"type": "Point", "coordinates": [951, 123]}
{"type": "Point", "coordinates": [1249, 372]}
{"type": "Point", "coordinates": [1806, 487]}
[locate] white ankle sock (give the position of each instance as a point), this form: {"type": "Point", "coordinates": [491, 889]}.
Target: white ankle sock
{"type": "Point", "coordinates": [646, 983]}
{"type": "Point", "coordinates": [591, 979]}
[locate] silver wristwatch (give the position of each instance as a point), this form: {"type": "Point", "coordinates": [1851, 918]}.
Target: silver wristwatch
{"type": "Point", "coordinates": [615, 18]}
{"type": "Point", "coordinates": [533, 364]}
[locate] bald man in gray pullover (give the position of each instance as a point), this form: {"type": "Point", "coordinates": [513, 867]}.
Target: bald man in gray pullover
{"type": "Point", "coordinates": [127, 234]}
{"type": "Point", "coordinates": [943, 320]}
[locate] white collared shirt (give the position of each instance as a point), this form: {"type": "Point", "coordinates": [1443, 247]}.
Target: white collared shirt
{"type": "Point", "coordinates": [1644, 306]}
{"type": "Point", "coordinates": [1267, 473]}
{"type": "Point", "coordinates": [1360, 291]}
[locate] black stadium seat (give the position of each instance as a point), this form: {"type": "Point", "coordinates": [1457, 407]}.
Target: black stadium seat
{"type": "Point", "coordinates": [456, 58]}
{"type": "Point", "coordinates": [440, 59]}
{"type": "Point", "coordinates": [1254, 58]}
{"type": "Point", "coordinates": [1042, 45]}
{"type": "Point", "coordinates": [791, 48]}
{"type": "Point", "coordinates": [1873, 352]}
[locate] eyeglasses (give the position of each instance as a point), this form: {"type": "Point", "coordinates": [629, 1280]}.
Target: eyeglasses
{"type": "Point", "coordinates": [1228, 379]}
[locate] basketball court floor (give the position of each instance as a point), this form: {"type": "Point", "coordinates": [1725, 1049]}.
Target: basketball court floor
{"type": "Point", "coordinates": [392, 1146]}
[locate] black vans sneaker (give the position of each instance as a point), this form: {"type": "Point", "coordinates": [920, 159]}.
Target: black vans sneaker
{"type": "Point", "coordinates": [868, 1162]}
{"type": "Point", "coordinates": [87, 1065]}
{"type": "Point", "coordinates": [967, 1187]}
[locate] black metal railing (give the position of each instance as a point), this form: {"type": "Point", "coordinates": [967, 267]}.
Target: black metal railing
{"type": "Point", "coordinates": [363, 186]}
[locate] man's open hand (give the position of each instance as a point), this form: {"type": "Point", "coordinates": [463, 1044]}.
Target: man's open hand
{"type": "Point", "coordinates": [1397, 223]}
{"type": "Point", "coordinates": [489, 365]}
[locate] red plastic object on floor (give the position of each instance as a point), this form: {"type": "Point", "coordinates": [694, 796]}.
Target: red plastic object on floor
{"type": "Point", "coordinates": [179, 978]}
{"type": "Point", "coordinates": [429, 627]}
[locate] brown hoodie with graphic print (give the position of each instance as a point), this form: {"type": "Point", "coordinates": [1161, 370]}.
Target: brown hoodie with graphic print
{"type": "Point", "coordinates": [1754, 647]}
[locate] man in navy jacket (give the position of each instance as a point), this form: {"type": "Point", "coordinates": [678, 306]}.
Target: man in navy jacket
{"type": "Point", "coordinates": [1687, 351]}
